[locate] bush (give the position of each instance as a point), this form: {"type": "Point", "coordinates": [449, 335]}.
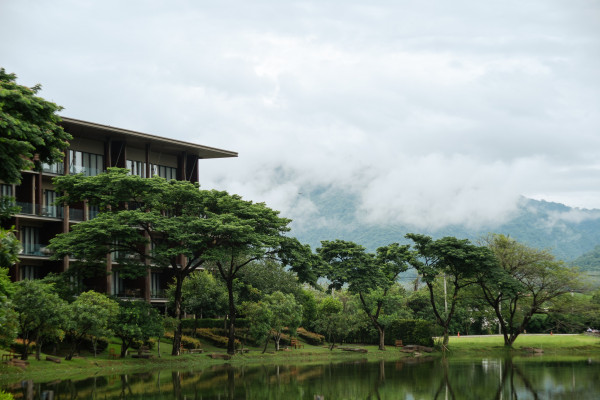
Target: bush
{"type": "Point", "coordinates": [186, 341]}
{"type": "Point", "coordinates": [5, 396]}
{"type": "Point", "coordinates": [216, 323]}
{"type": "Point", "coordinates": [310, 337]}
{"type": "Point", "coordinates": [410, 331]}
{"type": "Point", "coordinates": [213, 336]}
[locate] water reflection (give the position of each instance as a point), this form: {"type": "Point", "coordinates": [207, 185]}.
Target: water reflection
{"type": "Point", "coordinates": [407, 379]}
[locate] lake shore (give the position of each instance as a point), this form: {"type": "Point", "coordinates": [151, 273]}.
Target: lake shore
{"type": "Point", "coordinates": [459, 347]}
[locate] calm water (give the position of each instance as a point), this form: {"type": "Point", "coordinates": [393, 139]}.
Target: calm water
{"type": "Point", "coordinates": [415, 379]}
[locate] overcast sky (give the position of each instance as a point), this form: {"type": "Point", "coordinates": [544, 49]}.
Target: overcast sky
{"type": "Point", "coordinates": [431, 112]}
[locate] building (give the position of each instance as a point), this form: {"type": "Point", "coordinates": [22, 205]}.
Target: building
{"type": "Point", "coordinates": [94, 148]}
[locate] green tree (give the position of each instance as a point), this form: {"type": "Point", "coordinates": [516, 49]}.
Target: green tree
{"type": "Point", "coordinates": [286, 313]}
{"type": "Point", "coordinates": [371, 276]}
{"type": "Point", "coordinates": [90, 314]}
{"type": "Point", "coordinates": [40, 313]}
{"type": "Point", "coordinates": [525, 284]}
{"type": "Point", "coordinates": [9, 248]}
{"type": "Point", "coordinates": [29, 129]}
{"type": "Point", "coordinates": [136, 321]}
{"type": "Point", "coordinates": [8, 318]}
{"type": "Point", "coordinates": [184, 227]}
{"type": "Point", "coordinates": [333, 321]}
{"type": "Point", "coordinates": [457, 261]}
{"type": "Point", "coordinates": [259, 315]}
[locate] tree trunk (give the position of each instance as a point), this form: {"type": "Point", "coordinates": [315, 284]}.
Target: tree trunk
{"type": "Point", "coordinates": [124, 347]}
{"type": "Point", "coordinates": [178, 329]}
{"type": "Point", "coordinates": [266, 344]}
{"type": "Point", "coordinates": [381, 337]}
{"type": "Point", "coordinates": [24, 353]}
{"type": "Point", "coordinates": [231, 341]}
{"type": "Point", "coordinates": [277, 339]}
{"type": "Point", "coordinates": [446, 335]}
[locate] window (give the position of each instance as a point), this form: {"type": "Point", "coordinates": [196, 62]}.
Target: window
{"type": "Point", "coordinates": [56, 168]}
{"type": "Point", "coordinates": [50, 210]}
{"type": "Point", "coordinates": [164, 172]}
{"type": "Point", "coordinates": [117, 284]}
{"type": "Point", "coordinates": [31, 272]}
{"type": "Point", "coordinates": [156, 287]}
{"type": "Point", "coordinates": [87, 163]}
{"type": "Point", "coordinates": [30, 240]}
{"type": "Point", "coordinates": [6, 190]}
{"type": "Point", "coordinates": [136, 168]}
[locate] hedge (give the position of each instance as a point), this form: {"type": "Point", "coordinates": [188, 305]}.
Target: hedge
{"type": "Point", "coordinates": [186, 341]}
{"type": "Point", "coordinates": [214, 336]}
{"type": "Point", "coordinates": [218, 323]}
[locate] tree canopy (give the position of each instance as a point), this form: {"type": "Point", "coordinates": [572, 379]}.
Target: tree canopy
{"type": "Point", "coordinates": [29, 129]}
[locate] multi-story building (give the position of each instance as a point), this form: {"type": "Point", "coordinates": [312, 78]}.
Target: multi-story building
{"type": "Point", "coordinates": [94, 148]}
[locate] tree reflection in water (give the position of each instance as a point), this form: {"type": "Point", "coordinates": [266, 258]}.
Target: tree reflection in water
{"type": "Point", "coordinates": [416, 378]}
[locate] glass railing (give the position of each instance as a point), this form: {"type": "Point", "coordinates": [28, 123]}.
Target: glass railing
{"type": "Point", "coordinates": [75, 214]}
{"type": "Point", "coordinates": [56, 168]}
{"type": "Point", "coordinates": [158, 294]}
{"type": "Point", "coordinates": [27, 208]}
{"type": "Point", "coordinates": [52, 212]}
{"type": "Point", "coordinates": [35, 249]}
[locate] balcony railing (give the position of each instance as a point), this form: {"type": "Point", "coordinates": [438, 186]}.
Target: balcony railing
{"type": "Point", "coordinates": [57, 168]}
{"type": "Point", "coordinates": [36, 209]}
{"type": "Point", "coordinates": [158, 294]}
{"type": "Point", "coordinates": [75, 214]}
{"type": "Point", "coordinates": [35, 249]}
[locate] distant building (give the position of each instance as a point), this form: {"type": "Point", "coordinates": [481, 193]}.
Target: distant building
{"type": "Point", "coordinates": [94, 148]}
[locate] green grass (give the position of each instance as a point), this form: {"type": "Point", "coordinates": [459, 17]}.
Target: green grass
{"type": "Point", "coordinates": [468, 347]}
{"type": "Point", "coordinates": [551, 344]}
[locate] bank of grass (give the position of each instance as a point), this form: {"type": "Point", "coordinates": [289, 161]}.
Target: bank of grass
{"type": "Point", "coordinates": [86, 365]}
{"type": "Point", "coordinates": [550, 344]}
{"type": "Point", "coordinates": [465, 346]}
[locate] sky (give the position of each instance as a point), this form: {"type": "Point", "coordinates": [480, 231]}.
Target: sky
{"type": "Point", "coordinates": [430, 112]}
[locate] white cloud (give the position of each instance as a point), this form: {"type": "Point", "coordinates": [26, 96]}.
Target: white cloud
{"type": "Point", "coordinates": [432, 113]}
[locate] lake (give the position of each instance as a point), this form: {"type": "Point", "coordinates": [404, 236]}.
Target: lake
{"type": "Point", "coordinates": [534, 378]}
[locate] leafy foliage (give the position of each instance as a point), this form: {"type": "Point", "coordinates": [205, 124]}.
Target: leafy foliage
{"type": "Point", "coordinates": [136, 321]}
{"type": "Point", "coordinates": [29, 129]}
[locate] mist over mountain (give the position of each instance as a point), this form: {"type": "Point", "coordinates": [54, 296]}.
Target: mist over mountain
{"type": "Point", "coordinates": [567, 232]}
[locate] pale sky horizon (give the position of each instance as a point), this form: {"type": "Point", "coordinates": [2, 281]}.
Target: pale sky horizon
{"type": "Point", "coordinates": [431, 112]}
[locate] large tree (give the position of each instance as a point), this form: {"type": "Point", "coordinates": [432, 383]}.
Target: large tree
{"type": "Point", "coordinates": [370, 276]}
{"type": "Point", "coordinates": [40, 313]}
{"type": "Point", "coordinates": [136, 321]}
{"type": "Point", "coordinates": [169, 225]}
{"type": "Point", "coordinates": [456, 260]}
{"type": "Point", "coordinates": [29, 129]}
{"type": "Point", "coordinates": [526, 283]}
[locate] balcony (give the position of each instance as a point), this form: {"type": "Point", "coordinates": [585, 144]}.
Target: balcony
{"type": "Point", "coordinates": [57, 168]}
{"type": "Point", "coordinates": [35, 249]}
{"type": "Point", "coordinates": [75, 214]}
{"type": "Point", "coordinates": [36, 209]}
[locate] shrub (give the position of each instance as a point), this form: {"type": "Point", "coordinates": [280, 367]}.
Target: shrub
{"type": "Point", "coordinates": [213, 336]}
{"type": "Point", "coordinates": [186, 341]}
{"type": "Point", "coordinates": [310, 337]}
{"type": "Point", "coordinates": [216, 323]}
{"type": "Point", "coordinates": [5, 396]}
{"type": "Point", "coordinates": [410, 331]}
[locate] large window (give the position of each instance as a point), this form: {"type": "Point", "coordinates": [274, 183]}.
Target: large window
{"type": "Point", "coordinates": [136, 168]}
{"type": "Point", "coordinates": [6, 190]}
{"type": "Point", "coordinates": [86, 163]}
{"type": "Point", "coordinates": [156, 286]}
{"type": "Point", "coordinates": [117, 284]}
{"type": "Point", "coordinates": [56, 168]}
{"type": "Point", "coordinates": [164, 172]}
{"type": "Point", "coordinates": [50, 210]}
{"type": "Point", "coordinates": [30, 240]}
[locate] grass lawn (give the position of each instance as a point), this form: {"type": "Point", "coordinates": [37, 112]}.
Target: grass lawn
{"type": "Point", "coordinates": [551, 344]}
{"type": "Point", "coordinates": [102, 364]}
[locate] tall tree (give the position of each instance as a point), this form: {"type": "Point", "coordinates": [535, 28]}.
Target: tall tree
{"type": "Point", "coordinates": [526, 283]}
{"type": "Point", "coordinates": [184, 227]}
{"type": "Point", "coordinates": [458, 261]}
{"type": "Point", "coordinates": [8, 325]}
{"type": "Point", "coordinates": [365, 274]}
{"type": "Point", "coordinates": [29, 129]}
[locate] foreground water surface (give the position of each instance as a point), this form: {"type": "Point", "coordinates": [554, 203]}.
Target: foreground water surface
{"type": "Point", "coordinates": [406, 379]}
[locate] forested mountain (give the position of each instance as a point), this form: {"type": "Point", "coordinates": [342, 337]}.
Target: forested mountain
{"type": "Point", "coordinates": [568, 232]}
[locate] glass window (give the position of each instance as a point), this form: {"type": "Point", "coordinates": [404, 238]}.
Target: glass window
{"type": "Point", "coordinates": [88, 164]}
{"type": "Point", "coordinates": [136, 168]}
{"type": "Point", "coordinates": [164, 172]}
{"type": "Point", "coordinates": [30, 240]}
{"type": "Point", "coordinates": [31, 272]}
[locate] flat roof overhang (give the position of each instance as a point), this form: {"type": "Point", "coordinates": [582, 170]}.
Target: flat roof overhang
{"type": "Point", "coordinates": [92, 130]}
